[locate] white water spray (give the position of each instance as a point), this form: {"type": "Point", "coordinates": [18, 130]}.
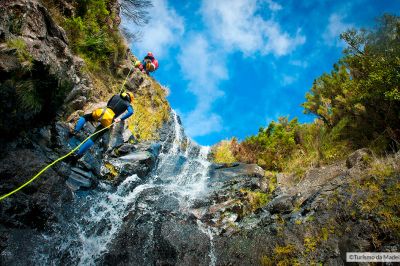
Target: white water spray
{"type": "Point", "coordinates": [182, 171]}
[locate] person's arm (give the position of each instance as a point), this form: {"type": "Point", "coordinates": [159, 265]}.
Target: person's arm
{"type": "Point", "coordinates": [127, 114]}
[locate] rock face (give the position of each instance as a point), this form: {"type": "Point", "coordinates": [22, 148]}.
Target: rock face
{"type": "Point", "coordinates": [41, 82]}
{"type": "Point", "coordinates": [37, 71]}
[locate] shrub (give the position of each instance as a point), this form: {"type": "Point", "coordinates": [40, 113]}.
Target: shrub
{"type": "Point", "coordinates": [151, 111]}
{"type": "Point", "coordinates": [93, 37]}
{"type": "Point", "coordinates": [222, 152]}
{"type": "Point", "coordinates": [363, 87]}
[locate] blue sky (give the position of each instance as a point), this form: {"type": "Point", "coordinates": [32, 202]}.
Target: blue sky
{"type": "Point", "coordinates": [232, 66]}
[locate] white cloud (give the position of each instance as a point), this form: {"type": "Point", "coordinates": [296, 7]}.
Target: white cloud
{"type": "Point", "coordinates": [280, 43]}
{"type": "Point", "coordinates": [237, 26]}
{"type": "Point", "coordinates": [273, 6]}
{"type": "Point", "coordinates": [288, 79]}
{"type": "Point", "coordinates": [231, 26]}
{"type": "Point", "coordinates": [163, 31]}
{"type": "Point", "coordinates": [299, 63]}
{"type": "Point", "coordinates": [335, 27]}
{"type": "Point", "coordinates": [204, 68]}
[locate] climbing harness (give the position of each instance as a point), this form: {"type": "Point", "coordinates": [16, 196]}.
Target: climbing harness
{"type": "Point", "coordinates": [102, 113]}
{"type": "Point", "coordinates": [53, 163]}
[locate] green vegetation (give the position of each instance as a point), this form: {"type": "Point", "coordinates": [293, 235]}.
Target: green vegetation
{"type": "Point", "coordinates": [356, 105]}
{"type": "Point", "coordinates": [15, 24]}
{"type": "Point", "coordinates": [94, 35]}
{"type": "Point", "coordinates": [151, 110]}
{"type": "Point", "coordinates": [112, 171]}
{"type": "Point", "coordinates": [23, 55]}
{"type": "Point", "coordinates": [255, 199]}
{"type": "Point", "coordinates": [222, 152]}
{"type": "Point", "coordinates": [361, 92]}
{"type": "Point", "coordinates": [283, 256]}
{"type": "Point", "coordinates": [29, 99]}
{"type": "Point", "coordinates": [378, 195]}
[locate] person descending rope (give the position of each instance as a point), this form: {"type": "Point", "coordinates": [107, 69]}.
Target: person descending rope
{"type": "Point", "coordinates": [149, 64]}
{"type": "Point", "coordinates": [117, 105]}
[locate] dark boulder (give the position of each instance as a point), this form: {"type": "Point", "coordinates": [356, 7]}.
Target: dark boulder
{"type": "Point", "coordinates": [281, 204]}
{"type": "Point", "coordinates": [359, 158]}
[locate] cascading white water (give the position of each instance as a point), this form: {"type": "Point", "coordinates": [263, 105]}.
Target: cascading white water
{"type": "Point", "coordinates": [182, 171]}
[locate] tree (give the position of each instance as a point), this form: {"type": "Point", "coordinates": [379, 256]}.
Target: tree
{"type": "Point", "coordinates": [136, 10]}
{"type": "Point", "coordinates": [364, 87]}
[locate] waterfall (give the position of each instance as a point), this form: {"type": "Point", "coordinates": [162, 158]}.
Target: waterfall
{"type": "Point", "coordinates": [88, 226]}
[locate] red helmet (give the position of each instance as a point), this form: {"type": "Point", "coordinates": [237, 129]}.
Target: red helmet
{"type": "Point", "coordinates": [150, 54]}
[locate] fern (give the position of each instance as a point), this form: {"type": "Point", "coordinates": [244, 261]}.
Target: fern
{"type": "Point", "coordinates": [28, 98]}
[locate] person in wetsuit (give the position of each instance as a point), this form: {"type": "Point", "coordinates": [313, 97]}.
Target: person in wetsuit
{"type": "Point", "coordinates": [117, 105]}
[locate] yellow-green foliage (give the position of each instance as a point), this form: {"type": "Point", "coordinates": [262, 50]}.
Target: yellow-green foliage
{"type": "Point", "coordinates": [310, 244]}
{"type": "Point", "coordinates": [381, 169]}
{"type": "Point", "coordinates": [292, 147]}
{"type": "Point", "coordinates": [366, 74]}
{"type": "Point", "coordinates": [283, 256]}
{"type": "Point", "coordinates": [272, 180]}
{"type": "Point", "coordinates": [326, 232]}
{"type": "Point", "coordinates": [285, 250]}
{"type": "Point", "coordinates": [151, 111]}
{"type": "Point", "coordinates": [255, 199]}
{"type": "Point", "coordinates": [24, 57]}
{"type": "Point", "coordinates": [112, 171]}
{"type": "Point", "coordinates": [222, 152]}
{"type": "Point", "coordinates": [380, 193]}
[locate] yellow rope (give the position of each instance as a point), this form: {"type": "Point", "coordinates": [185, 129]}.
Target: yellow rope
{"type": "Point", "coordinates": [126, 78]}
{"type": "Point", "coordinates": [66, 155]}
{"type": "Point", "coordinates": [51, 164]}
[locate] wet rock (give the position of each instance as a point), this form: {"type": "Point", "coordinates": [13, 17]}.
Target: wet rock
{"type": "Point", "coordinates": [86, 174]}
{"type": "Point", "coordinates": [159, 240]}
{"type": "Point", "coordinates": [76, 182]}
{"type": "Point", "coordinates": [127, 136]}
{"type": "Point", "coordinates": [249, 170]}
{"type": "Point", "coordinates": [281, 204]}
{"type": "Point", "coordinates": [116, 136]}
{"type": "Point", "coordinates": [152, 147]}
{"type": "Point", "coordinates": [8, 61]}
{"type": "Point", "coordinates": [224, 165]}
{"type": "Point", "coordinates": [125, 149]}
{"type": "Point", "coordinates": [360, 158]}
{"type": "Point", "coordinates": [35, 205]}
{"type": "Point", "coordinates": [117, 169]}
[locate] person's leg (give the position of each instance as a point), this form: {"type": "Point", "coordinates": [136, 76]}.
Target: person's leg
{"type": "Point", "coordinates": [81, 122]}
{"type": "Point", "coordinates": [90, 142]}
